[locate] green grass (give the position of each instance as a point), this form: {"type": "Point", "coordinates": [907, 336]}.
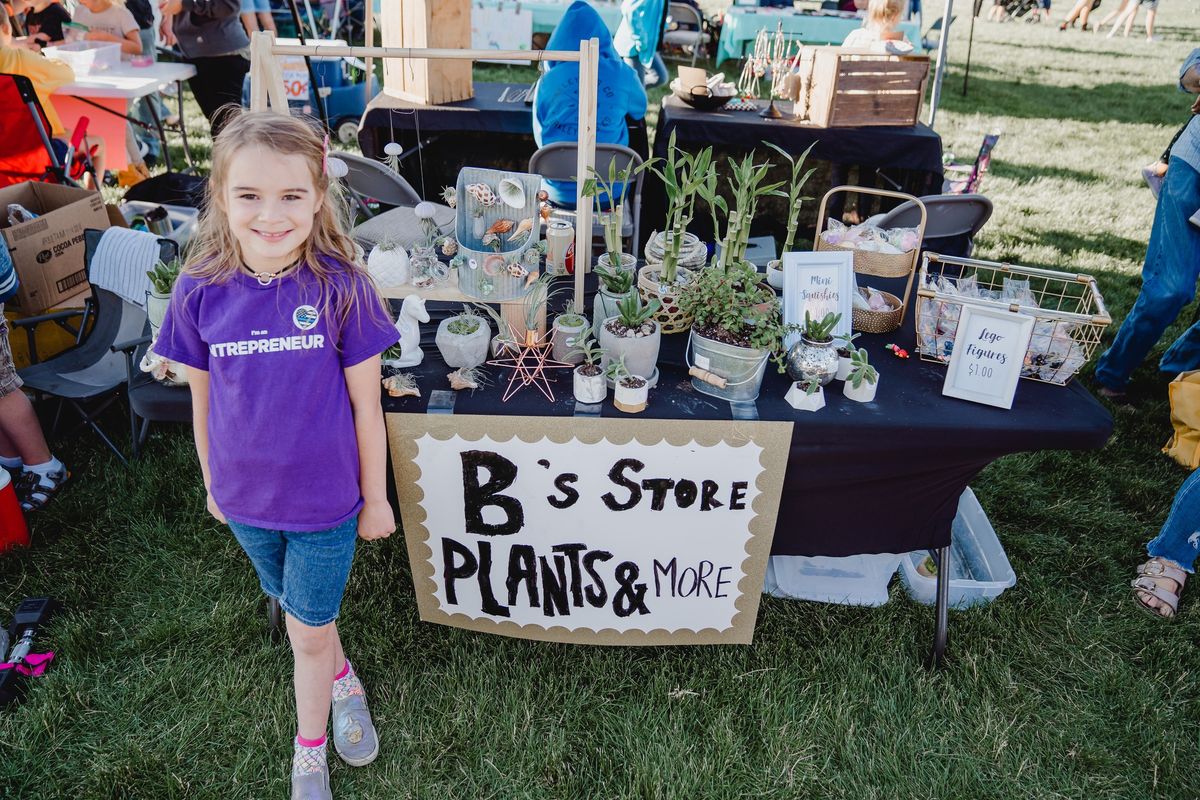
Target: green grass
{"type": "Point", "coordinates": [166, 686]}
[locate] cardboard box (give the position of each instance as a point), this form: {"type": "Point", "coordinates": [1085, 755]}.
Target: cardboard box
{"type": "Point", "coordinates": [48, 251]}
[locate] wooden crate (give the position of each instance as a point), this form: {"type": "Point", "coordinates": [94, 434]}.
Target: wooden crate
{"type": "Point", "coordinates": [852, 88]}
{"type": "Point", "coordinates": [441, 24]}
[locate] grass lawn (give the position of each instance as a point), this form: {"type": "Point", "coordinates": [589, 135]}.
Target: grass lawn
{"type": "Point", "coordinates": [166, 685]}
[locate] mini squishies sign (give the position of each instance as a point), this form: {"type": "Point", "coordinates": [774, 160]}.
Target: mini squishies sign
{"type": "Point", "coordinates": [620, 532]}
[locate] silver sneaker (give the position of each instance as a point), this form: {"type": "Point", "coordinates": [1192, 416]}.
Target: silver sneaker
{"type": "Point", "coordinates": [312, 786]}
{"type": "Point", "coordinates": [354, 736]}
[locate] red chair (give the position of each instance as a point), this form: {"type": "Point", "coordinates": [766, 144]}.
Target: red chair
{"type": "Point", "coordinates": [28, 153]}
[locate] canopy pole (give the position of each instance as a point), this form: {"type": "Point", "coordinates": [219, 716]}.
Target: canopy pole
{"type": "Point", "coordinates": [369, 37]}
{"type": "Point", "coordinates": [940, 74]}
{"type": "Point", "coordinates": [589, 68]}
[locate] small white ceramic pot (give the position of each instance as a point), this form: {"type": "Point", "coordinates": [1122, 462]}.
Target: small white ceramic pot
{"type": "Point", "coordinates": [590, 388]}
{"type": "Point", "coordinates": [631, 399]}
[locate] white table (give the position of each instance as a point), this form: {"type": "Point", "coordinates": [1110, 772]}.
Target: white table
{"type": "Point", "coordinates": [105, 98]}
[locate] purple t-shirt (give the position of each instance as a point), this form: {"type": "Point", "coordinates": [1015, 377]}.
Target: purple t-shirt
{"type": "Point", "coordinates": [283, 453]}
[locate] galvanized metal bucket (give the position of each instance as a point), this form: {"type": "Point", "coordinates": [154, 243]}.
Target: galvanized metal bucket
{"type": "Point", "coordinates": [741, 367]}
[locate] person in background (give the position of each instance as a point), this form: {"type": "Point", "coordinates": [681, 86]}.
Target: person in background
{"type": "Point", "coordinates": [1042, 12]}
{"type": "Point", "coordinates": [1115, 13]}
{"type": "Point", "coordinates": [1160, 580]}
{"type": "Point", "coordinates": [1080, 11]}
{"type": "Point", "coordinates": [147, 137]}
{"type": "Point", "coordinates": [1171, 268]}
{"type": "Point", "coordinates": [879, 31]}
{"type": "Point", "coordinates": [556, 94]}
{"type": "Point", "coordinates": [212, 39]}
{"type": "Point", "coordinates": [638, 35]}
{"type": "Point", "coordinates": [43, 20]}
{"type": "Point", "coordinates": [109, 21]}
{"type": "Point", "coordinates": [46, 75]}
{"type": "Point", "coordinates": [997, 13]}
{"type": "Point", "coordinates": [256, 16]}
{"type": "Point", "coordinates": [1129, 14]}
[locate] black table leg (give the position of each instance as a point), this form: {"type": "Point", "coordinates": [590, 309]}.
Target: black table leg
{"type": "Point", "coordinates": [941, 614]}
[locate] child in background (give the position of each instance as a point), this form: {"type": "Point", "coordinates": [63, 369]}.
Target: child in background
{"type": "Point", "coordinates": [46, 74]}
{"type": "Point", "coordinates": [109, 21]}
{"type": "Point", "coordinates": [878, 31]}
{"type": "Point", "coordinates": [43, 20]}
{"type": "Point", "coordinates": [271, 291]}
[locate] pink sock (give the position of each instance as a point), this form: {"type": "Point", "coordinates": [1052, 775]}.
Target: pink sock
{"type": "Point", "coordinates": [345, 671]}
{"type": "Point", "coordinates": [300, 740]}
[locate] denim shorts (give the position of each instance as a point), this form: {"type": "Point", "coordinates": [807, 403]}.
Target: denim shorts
{"type": "Point", "coordinates": [250, 6]}
{"type": "Point", "coordinates": [306, 571]}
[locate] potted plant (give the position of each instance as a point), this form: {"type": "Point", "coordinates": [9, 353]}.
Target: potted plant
{"type": "Point", "coordinates": [614, 285]}
{"type": "Point", "coordinates": [568, 329]}
{"type": "Point", "coordinates": [795, 184]}
{"type": "Point", "coordinates": [748, 190]}
{"type": "Point", "coordinates": [630, 391]}
{"type": "Point", "coordinates": [863, 380]}
{"type": "Point", "coordinates": [632, 335]}
{"type": "Point", "coordinates": [503, 338]}
{"type": "Point", "coordinates": [388, 264]}
{"type": "Point", "coordinates": [806, 395]}
{"type": "Point", "coordinates": [845, 351]}
{"type": "Point", "coordinates": [162, 280]}
{"type": "Point", "coordinates": [683, 176]}
{"type": "Point", "coordinates": [612, 219]}
{"type": "Point", "coordinates": [463, 339]}
{"type": "Point", "coordinates": [590, 386]}
{"type": "Point", "coordinates": [813, 355]}
{"type": "Point", "coordinates": [738, 326]}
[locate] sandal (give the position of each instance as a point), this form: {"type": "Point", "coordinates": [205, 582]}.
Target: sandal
{"type": "Point", "coordinates": [36, 490]}
{"type": "Point", "coordinates": [1146, 583]}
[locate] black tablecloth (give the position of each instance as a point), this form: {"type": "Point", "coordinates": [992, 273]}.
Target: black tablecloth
{"type": "Point", "coordinates": [862, 478]}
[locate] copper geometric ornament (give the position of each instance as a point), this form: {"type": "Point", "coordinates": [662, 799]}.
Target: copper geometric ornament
{"type": "Point", "coordinates": [529, 363]}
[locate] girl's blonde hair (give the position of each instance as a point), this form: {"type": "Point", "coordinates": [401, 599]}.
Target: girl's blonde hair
{"type": "Point", "coordinates": [214, 255]}
{"type": "Point", "coordinates": [881, 13]}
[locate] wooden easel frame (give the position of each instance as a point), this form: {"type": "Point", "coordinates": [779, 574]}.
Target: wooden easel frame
{"type": "Point", "coordinates": [267, 94]}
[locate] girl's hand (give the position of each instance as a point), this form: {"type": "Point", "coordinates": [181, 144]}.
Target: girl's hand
{"type": "Point", "coordinates": [376, 521]}
{"type": "Point", "coordinates": [101, 36]}
{"type": "Point", "coordinates": [216, 512]}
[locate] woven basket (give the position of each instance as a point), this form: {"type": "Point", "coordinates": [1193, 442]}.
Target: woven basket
{"type": "Point", "coordinates": [881, 265]}
{"type": "Point", "coordinates": [880, 321]}
{"type": "Point", "coordinates": [490, 279]}
{"type": "Point", "coordinates": [671, 317]}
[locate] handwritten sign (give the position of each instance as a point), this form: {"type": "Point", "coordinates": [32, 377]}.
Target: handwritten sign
{"type": "Point", "coordinates": [989, 349]}
{"type": "Point", "coordinates": [593, 531]}
{"type": "Point", "coordinates": [818, 283]}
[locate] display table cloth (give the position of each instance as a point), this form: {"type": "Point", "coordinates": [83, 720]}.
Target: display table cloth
{"type": "Point", "coordinates": [547, 13]}
{"type": "Point", "coordinates": [742, 25]}
{"type": "Point", "coordinates": [900, 462]}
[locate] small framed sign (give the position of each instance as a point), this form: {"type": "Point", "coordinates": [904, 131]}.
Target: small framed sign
{"type": "Point", "coordinates": [989, 351]}
{"type": "Point", "coordinates": [818, 283]}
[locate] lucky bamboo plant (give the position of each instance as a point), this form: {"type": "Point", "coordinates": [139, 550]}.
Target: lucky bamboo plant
{"type": "Point", "coordinates": [748, 187]}
{"type": "Point", "coordinates": [795, 184]}
{"type": "Point", "coordinates": [684, 175]}
{"type": "Point", "coordinates": [601, 190]}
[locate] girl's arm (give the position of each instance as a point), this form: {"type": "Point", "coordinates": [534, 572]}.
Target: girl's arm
{"type": "Point", "coordinates": [132, 43]}
{"type": "Point", "coordinates": [198, 383]}
{"type": "Point", "coordinates": [376, 520]}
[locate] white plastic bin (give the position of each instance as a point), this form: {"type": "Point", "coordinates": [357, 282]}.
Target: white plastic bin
{"type": "Point", "coordinates": [850, 580]}
{"type": "Point", "coordinates": [86, 57]}
{"type": "Point", "coordinates": [183, 219]}
{"type": "Point", "coordinates": [979, 569]}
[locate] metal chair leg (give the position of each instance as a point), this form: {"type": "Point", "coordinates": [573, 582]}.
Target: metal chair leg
{"type": "Point", "coordinates": [937, 654]}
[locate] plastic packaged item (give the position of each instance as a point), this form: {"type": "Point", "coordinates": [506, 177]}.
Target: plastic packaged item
{"type": "Point", "coordinates": [979, 569]}
{"type": "Point", "coordinates": [849, 580]}
{"type": "Point", "coordinates": [19, 214]}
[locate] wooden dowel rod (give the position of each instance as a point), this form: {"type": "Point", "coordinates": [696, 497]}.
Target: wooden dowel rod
{"type": "Point", "coordinates": [423, 52]}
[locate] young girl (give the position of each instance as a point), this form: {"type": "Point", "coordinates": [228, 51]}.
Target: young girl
{"type": "Point", "coordinates": [283, 332]}
{"type": "Point", "coordinates": [878, 31]}
{"type": "Point", "coordinates": [110, 21]}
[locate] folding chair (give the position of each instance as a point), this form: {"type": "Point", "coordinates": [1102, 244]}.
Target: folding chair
{"type": "Point", "coordinates": [28, 153]}
{"type": "Point", "coordinates": [557, 161]}
{"type": "Point", "coordinates": [966, 178]}
{"type": "Point", "coordinates": [933, 37]}
{"type": "Point", "coordinates": [367, 179]}
{"type": "Point", "coordinates": [951, 224]}
{"type": "Point", "coordinates": [685, 28]}
{"type": "Point", "coordinates": [90, 377]}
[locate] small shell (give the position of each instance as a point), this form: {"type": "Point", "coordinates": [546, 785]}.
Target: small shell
{"type": "Point", "coordinates": [545, 211]}
{"type": "Point", "coordinates": [529, 281]}
{"type": "Point", "coordinates": [482, 193]}
{"type": "Point", "coordinates": [493, 265]}
{"type": "Point", "coordinates": [522, 232]}
{"type": "Point", "coordinates": [543, 196]}
{"type": "Point", "coordinates": [450, 196]}
{"type": "Point", "coordinates": [501, 226]}
{"type": "Point", "coordinates": [517, 271]}
{"type": "Point", "coordinates": [490, 240]}
{"type": "Point", "coordinates": [401, 386]}
{"type": "Point", "coordinates": [511, 192]}
{"type": "Point", "coordinates": [449, 246]}
{"type": "Point", "coordinates": [460, 381]}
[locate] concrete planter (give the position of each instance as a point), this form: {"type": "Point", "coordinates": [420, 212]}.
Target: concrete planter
{"type": "Point", "coordinates": [640, 352]}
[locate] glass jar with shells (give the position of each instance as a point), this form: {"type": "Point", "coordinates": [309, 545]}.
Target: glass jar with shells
{"type": "Point", "coordinates": [497, 224]}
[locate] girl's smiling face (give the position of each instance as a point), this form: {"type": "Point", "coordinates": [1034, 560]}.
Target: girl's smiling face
{"type": "Point", "coordinates": [270, 201]}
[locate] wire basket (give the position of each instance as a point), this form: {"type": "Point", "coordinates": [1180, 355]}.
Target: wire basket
{"type": "Point", "coordinates": [1068, 310]}
{"type": "Point", "coordinates": [495, 276]}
